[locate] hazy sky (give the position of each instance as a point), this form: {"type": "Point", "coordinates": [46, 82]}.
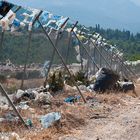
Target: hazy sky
{"type": "Point", "coordinates": [59, 2]}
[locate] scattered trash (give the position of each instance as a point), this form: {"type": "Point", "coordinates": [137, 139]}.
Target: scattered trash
{"type": "Point", "coordinates": [49, 119]}
{"type": "Point", "coordinates": [125, 86]}
{"type": "Point", "coordinates": [83, 88]}
{"type": "Point", "coordinates": [23, 105]}
{"type": "Point", "coordinates": [4, 107]}
{"type": "Point", "coordinates": [43, 98]}
{"type": "Point", "coordinates": [12, 136]}
{"type": "Point", "coordinates": [30, 94]}
{"type": "Point", "coordinates": [90, 87]}
{"type": "Point", "coordinates": [29, 123]}
{"type": "Point", "coordinates": [72, 99]}
{"type": "Point", "coordinates": [2, 120]}
{"type": "Point", "coordinates": [25, 95]}
{"type": "Point", "coordinates": [19, 94]}
{"type": "Point", "coordinates": [11, 117]}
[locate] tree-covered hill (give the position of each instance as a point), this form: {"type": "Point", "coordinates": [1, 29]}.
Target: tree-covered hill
{"type": "Point", "coordinates": [125, 40]}
{"type": "Point", "coordinates": [15, 46]}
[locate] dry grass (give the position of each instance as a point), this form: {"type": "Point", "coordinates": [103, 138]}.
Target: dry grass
{"type": "Point", "coordinates": [74, 116]}
{"type": "Point", "coordinates": [14, 84]}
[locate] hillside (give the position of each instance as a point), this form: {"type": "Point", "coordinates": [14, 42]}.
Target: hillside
{"type": "Point", "coordinates": [126, 41]}
{"type": "Point", "coordinates": [15, 45]}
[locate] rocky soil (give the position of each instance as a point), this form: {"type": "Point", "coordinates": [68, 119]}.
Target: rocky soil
{"type": "Point", "coordinates": [103, 117]}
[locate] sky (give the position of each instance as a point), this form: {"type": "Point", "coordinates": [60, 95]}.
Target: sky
{"type": "Point", "coordinates": [57, 2]}
{"type": "Point", "coordinates": [137, 2]}
{"type": "Point", "coordinates": [121, 14]}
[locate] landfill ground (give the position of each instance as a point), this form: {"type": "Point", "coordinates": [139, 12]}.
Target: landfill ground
{"type": "Point", "coordinates": [104, 117]}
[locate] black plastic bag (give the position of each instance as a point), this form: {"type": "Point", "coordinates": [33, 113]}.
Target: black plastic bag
{"type": "Point", "coordinates": [105, 80]}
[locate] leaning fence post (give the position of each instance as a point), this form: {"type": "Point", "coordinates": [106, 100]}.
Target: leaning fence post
{"type": "Point", "coordinates": [69, 41]}
{"type": "Point", "coordinates": [27, 51]}
{"type": "Point", "coordinates": [100, 53]}
{"type": "Point", "coordinates": [2, 37]}
{"type": "Point", "coordinates": [51, 61]}
{"type": "Point", "coordinates": [57, 51]}
{"type": "Point", "coordinates": [11, 103]}
{"type": "Point", "coordinates": [26, 59]}
{"type": "Point", "coordinates": [93, 61]}
{"type": "Point", "coordinates": [53, 54]}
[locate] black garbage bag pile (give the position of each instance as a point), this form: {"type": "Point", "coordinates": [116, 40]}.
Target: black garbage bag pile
{"type": "Point", "coordinates": [105, 80]}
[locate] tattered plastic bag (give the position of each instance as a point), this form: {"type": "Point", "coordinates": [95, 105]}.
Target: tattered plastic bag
{"type": "Point", "coordinates": [49, 119]}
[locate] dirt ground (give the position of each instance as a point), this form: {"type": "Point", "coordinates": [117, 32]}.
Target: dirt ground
{"type": "Point", "coordinates": [103, 117]}
{"type": "Point", "coordinates": [121, 123]}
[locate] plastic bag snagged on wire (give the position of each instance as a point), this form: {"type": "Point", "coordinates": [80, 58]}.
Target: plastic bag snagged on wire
{"type": "Point", "coordinates": [49, 119]}
{"type": "Point", "coordinates": [7, 20]}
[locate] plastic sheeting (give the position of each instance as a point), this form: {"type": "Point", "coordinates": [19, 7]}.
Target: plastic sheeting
{"type": "Point", "coordinates": [5, 7]}
{"type": "Point", "coordinates": [49, 119]}
{"type": "Point", "coordinates": [50, 20]}
{"type": "Point", "coordinates": [24, 18]}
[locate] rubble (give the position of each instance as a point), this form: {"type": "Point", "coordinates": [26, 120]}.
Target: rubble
{"type": "Point", "coordinates": [23, 105]}
{"type": "Point", "coordinates": [43, 98]}
{"type": "Point", "coordinates": [12, 136]}
{"type": "Point", "coordinates": [2, 120]}
{"type": "Point", "coordinates": [34, 103]}
{"type": "Point", "coordinates": [19, 93]}
{"type": "Point", "coordinates": [83, 88]}
{"type": "Point", "coordinates": [125, 87]}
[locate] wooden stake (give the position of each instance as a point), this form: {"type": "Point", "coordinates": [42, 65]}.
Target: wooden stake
{"type": "Point", "coordinates": [72, 77]}
{"type": "Point", "coordinates": [11, 103]}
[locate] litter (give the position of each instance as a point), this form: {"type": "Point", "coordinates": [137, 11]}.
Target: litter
{"type": "Point", "coordinates": [43, 98]}
{"type": "Point", "coordinates": [23, 106]}
{"type": "Point", "coordinates": [49, 119]}
{"type": "Point", "coordinates": [72, 99]}
{"type": "Point", "coordinates": [106, 79]}
{"type": "Point", "coordinates": [29, 123]}
{"type": "Point", "coordinates": [10, 117]}
{"type": "Point", "coordinates": [126, 86]}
